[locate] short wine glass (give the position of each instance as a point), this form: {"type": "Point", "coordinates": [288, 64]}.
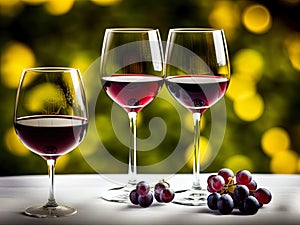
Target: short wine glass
{"type": "Point", "coordinates": [197, 75]}
{"type": "Point", "coordinates": [131, 71]}
{"type": "Point", "coordinates": [51, 120]}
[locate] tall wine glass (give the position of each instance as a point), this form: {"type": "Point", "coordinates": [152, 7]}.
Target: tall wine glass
{"type": "Point", "coordinates": [51, 120]}
{"type": "Point", "coordinates": [131, 70]}
{"type": "Point", "coordinates": [197, 76]}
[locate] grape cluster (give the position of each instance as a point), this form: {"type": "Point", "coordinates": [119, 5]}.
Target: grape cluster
{"type": "Point", "coordinates": [239, 191]}
{"type": "Point", "coordinates": [142, 195]}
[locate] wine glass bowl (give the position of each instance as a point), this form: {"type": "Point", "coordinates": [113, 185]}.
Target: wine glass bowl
{"type": "Point", "coordinates": [197, 74]}
{"type": "Point", "coordinates": [131, 69]}
{"type": "Point", "coordinates": [50, 119]}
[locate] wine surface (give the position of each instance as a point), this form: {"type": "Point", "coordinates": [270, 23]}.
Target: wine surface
{"type": "Point", "coordinates": [132, 91]}
{"type": "Point", "coordinates": [197, 92]}
{"type": "Point", "coordinates": [51, 136]}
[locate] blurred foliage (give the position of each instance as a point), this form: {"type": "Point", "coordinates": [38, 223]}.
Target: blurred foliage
{"type": "Point", "coordinates": [262, 102]}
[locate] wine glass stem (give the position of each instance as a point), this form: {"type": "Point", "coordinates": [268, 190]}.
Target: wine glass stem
{"type": "Point", "coordinates": [51, 168]}
{"type": "Point", "coordinates": [132, 149]}
{"type": "Point", "coordinates": [196, 163]}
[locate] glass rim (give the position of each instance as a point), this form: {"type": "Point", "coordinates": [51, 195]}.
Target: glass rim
{"type": "Point", "coordinates": [130, 29]}
{"type": "Point", "coordinates": [195, 29]}
{"type": "Point", "coordinates": [50, 69]}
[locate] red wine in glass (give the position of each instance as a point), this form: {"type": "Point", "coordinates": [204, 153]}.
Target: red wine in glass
{"type": "Point", "coordinates": [132, 91]}
{"type": "Point", "coordinates": [131, 69]}
{"type": "Point", "coordinates": [197, 92]}
{"type": "Point", "coordinates": [51, 120]}
{"type": "Point", "coordinates": [197, 73]}
{"type": "Point", "coordinates": [51, 136]}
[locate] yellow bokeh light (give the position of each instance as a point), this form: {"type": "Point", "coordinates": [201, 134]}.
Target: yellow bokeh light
{"type": "Point", "coordinates": [82, 62]}
{"type": "Point", "coordinates": [45, 93]}
{"type": "Point", "coordinates": [249, 108]}
{"type": "Point", "coordinates": [59, 7]}
{"type": "Point", "coordinates": [205, 153]}
{"type": "Point", "coordinates": [105, 2]}
{"type": "Point", "coordinates": [61, 163]}
{"type": "Point", "coordinates": [15, 57]}
{"type": "Point", "coordinates": [240, 87]}
{"type": "Point", "coordinates": [292, 44]}
{"type": "Point", "coordinates": [10, 7]}
{"type": "Point", "coordinates": [4, 3]}
{"type": "Point", "coordinates": [225, 15]}
{"type": "Point", "coordinates": [249, 64]}
{"type": "Point", "coordinates": [284, 162]}
{"type": "Point", "coordinates": [239, 162]}
{"type": "Point", "coordinates": [13, 143]}
{"type": "Point", "coordinates": [274, 140]}
{"type": "Point", "coordinates": [257, 19]}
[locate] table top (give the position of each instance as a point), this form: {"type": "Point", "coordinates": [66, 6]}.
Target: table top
{"type": "Point", "coordinates": [83, 192]}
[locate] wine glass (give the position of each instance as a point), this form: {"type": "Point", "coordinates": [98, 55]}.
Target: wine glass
{"type": "Point", "coordinates": [51, 120]}
{"type": "Point", "coordinates": [131, 71]}
{"type": "Point", "coordinates": [197, 75]}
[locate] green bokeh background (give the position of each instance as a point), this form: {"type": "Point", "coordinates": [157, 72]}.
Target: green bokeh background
{"type": "Point", "coordinates": [74, 39]}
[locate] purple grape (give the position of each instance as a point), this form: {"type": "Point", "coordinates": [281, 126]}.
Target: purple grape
{"type": "Point", "coordinates": [157, 197]}
{"type": "Point", "coordinates": [241, 193]}
{"type": "Point", "coordinates": [225, 204]}
{"type": "Point", "coordinates": [212, 200]}
{"type": "Point", "coordinates": [252, 185]}
{"type": "Point", "coordinates": [243, 177]}
{"type": "Point", "coordinates": [263, 195]}
{"type": "Point", "coordinates": [250, 206]}
{"type": "Point", "coordinates": [142, 188]}
{"type": "Point", "coordinates": [167, 195]}
{"type": "Point", "coordinates": [145, 200]}
{"type": "Point", "coordinates": [226, 174]}
{"type": "Point", "coordinates": [215, 183]}
{"type": "Point", "coordinates": [159, 187]}
{"type": "Point", "coordinates": [133, 196]}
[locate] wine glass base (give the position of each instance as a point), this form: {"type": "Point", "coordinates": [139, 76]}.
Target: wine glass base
{"type": "Point", "coordinates": [46, 212]}
{"type": "Point", "coordinates": [191, 197]}
{"type": "Point", "coordinates": [120, 194]}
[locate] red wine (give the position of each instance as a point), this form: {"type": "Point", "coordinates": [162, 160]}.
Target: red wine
{"type": "Point", "coordinates": [132, 91]}
{"type": "Point", "coordinates": [197, 92]}
{"type": "Point", "coordinates": [51, 136]}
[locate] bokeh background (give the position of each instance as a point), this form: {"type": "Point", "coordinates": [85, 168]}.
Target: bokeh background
{"type": "Point", "coordinates": [262, 102]}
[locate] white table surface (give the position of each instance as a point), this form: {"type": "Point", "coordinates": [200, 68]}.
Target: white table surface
{"type": "Point", "coordinates": [83, 191]}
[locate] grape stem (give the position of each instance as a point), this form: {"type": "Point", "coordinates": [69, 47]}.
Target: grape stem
{"type": "Point", "coordinates": [229, 187]}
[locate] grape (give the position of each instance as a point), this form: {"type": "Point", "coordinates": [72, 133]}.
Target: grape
{"type": "Point", "coordinates": [215, 183]}
{"type": "Point", "coordinates": [263, 195]}
{"type": "Point", "coordinates": [133, 196]}
{"type": "Point", "coordinates": [250, 206]}
{"type": "Point", "coordinates": [225, 204]}
{"type": "Point", "coordinates": [252, 185]}
{"type": "Point", "coordinates": [157, 197]}
{"type": "Point", "coordinates": [158, 188]}
{"type": "Point", "coordinates": [243, 177]}
{"type": "Point", "coordinates": [241, 193]}
{"type": "Point", "coordinates": [226, 174]}
{"type": "Point", "coordinates": [144, 197]}
{"type": "Point", "coordinates": [208, 189]}
{"type": "Point", "coordinates": [167, 195]}
{"type": "Point", "coordinates": [228, 193]}
{"type": "Point", "coordinates": [142, 188]}
{"type": "Point", "coordinates": [145, 200]}
{"type": "Point", "coordinates": [212, 200]}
